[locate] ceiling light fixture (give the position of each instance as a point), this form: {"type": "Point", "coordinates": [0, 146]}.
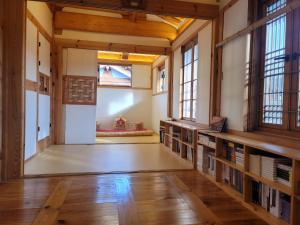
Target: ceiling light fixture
{"type": "Point", "coordinates": [134, 4]}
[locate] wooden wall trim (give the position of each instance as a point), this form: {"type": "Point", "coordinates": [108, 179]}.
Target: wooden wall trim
{"type": "Point", "coordinates": [13, 88]}
{"type": "Point", "coordinates": [122, 62]}
{"type": "Point", "coordinates": [41, 29]}
{"type": "Point", "coordinates": [31, 85]}
{"type": "Point", "coordinates": [1, 77]}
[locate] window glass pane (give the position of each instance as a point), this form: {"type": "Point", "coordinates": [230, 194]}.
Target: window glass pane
{"type": "Point", "coordinates": [274, 66]}
{"type": "Point", "coordinates": [188, 56]}
{"type": "Point", "coordinates": [196, 52]}
{"type": "Point", "coordinates": [195, 89]}
{"type": "Point", "coordinates": [186, 109]}
{"type": "Point", "coordinates": [196, 69]}
{"type": "Point", "coordinates": [187, 91]}
{"type": "Point", "coordinates": [187, 73]}
{"type": "Point", "coordinates": [194, 109]}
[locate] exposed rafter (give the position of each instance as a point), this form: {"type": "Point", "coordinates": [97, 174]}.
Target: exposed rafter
{"type": "Point", "coordinates": [157, 7]}
{"type": "Point", "coordinates": [102, 24]}
{"type": "Point", "coordinates": [116, 47]}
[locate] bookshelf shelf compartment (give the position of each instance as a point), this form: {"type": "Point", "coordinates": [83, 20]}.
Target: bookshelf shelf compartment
{"type": "Point", "coordinates": [231, 164]}
{"type": "Point", "coordinates": [274, 184]}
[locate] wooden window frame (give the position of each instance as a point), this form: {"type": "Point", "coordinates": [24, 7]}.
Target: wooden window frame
{"type": "Point", "coordinates": [190, 45]}
{"type": "Point", "coordinates": [290, 91]}
{"type": "Point", "coordinates": [160, 68]}
{"type": "Point", "coordinates": [113, 86]}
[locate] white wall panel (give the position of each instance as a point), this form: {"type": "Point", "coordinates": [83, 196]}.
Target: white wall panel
{"type": "Point", "coordinates": [80, 120]}
{"type": "Point", "coordinates": [80, 124]}
{"type": "Point", "coordinates": [44, 55]}
{"type": "Point", "coordinates": [141, 76]}
{"type": "Point", "coordinates": [204, 63]}
{"type": "Point", "coordinates": [82, 62]}
{"type": "Point", "coordinates": [30, 124]}
{"type": "Point", "coordinates": [234, 66]}
{"type": "Point", "coordinates": [134, 105]}
{"type": "Point", "coordinates": [44, 116]}
{"type": "Point", "coordinates": [31, 51]}
{"type": "Point", "coordinates": [159, 110]}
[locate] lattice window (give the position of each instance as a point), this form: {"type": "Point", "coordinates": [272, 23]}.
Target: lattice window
{"type": "Point", "coordinates": [274, 66]}
{"type": "Point", "coordinates": [80, 90]}
{"type": "Point", "coordinates": [188, 81]}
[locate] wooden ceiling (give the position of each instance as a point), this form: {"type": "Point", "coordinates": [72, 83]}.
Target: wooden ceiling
{"type": "Point", "coordinates": [154, 18]}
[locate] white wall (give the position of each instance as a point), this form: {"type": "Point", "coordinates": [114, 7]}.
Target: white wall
{"type": "Point", "coordinates": [204, 73]}
{"type": "Point", "coordinates": [135, 104]}
{"type": "Point", "coordinates": [235, 55]}
{"type": "Point", "coordinates": [80, 120]}
{"type": "Point", "coordinates": [159, 100]}
{"type": "Point", "coordinates": [42, 13]}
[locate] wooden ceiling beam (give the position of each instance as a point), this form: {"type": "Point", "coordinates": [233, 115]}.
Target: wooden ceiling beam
{"type": "Point", "coordinates": [102, 24]}
{"type": "Point", "coordinates": [157, 7]}
{"type": "Point", "coordinates": [115, 47]}
{"type": "Point", "coordinates": [171, 20]}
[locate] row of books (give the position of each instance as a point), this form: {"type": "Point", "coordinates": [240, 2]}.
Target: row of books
{"type": "Point", "coordinates": [207, 141]}
{"type": "Point", "coordinates": [233, 177]}
{"type": "Point", "coordinates": [162, 132]}
{"type": "Point", "coordinates": [206, 161]}
{"type": "Point", "coordinates": [272, 200]}
{"type": "Point", "coordinates": [176, 147]}
{"type": "Point", "coordinates": [188, 137]}
{"type": "Point", "coordinates": [234, 153]}
{"type": "Point", "coordinates": [271, 167]}
{"type": "Point", "coordinates": [189, 153]}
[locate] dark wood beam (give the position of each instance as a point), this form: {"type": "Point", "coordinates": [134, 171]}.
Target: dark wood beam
{"type": "Point", "coordinates": [157, 7]}
{"type": "Point", "coordinates": [116, 47]}
{"type": "Point", "coordinates": [103, 24]}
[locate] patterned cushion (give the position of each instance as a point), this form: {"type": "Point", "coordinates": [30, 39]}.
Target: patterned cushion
{"type": "Point", "coordinates": [120, 123]}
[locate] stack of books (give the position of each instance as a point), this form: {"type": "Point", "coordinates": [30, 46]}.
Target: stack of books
{"type": "Point", "coordinates": [284, 174]}
{"type": "Point", "coordinates": [211, 164]}
{"type": "Point", "coordinates": [176, 147]}
{"type": "Point", "coordinates": [162, 131]}
{"type": "Point", "coordinates": [240, 156]}
{"type": "Point", "coordinates": [233, 177]}
{"type": "Point", "coordinates": [269, 166]}
{"type": "Point", "coordinates": [207, 141]}
{"type": "Point", "coordinates": [273, 201]}
{"type": "Point", "coordinates": [255, 164]}
{"type": "Point", "coordinates": [234, 153]}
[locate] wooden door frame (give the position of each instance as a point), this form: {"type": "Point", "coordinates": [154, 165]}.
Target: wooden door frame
{"type": "Point", "coordinates": [13, 91]}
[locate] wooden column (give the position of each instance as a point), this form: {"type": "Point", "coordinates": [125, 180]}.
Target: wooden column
{"type": "Point", "coordinates": [1, 68]}
{"type": "Point", "coordinates": [170, 85]}
{"type": "Point", "coordinates": [58, 92]}
{"type": "Point", "coordinates": [14, 14]}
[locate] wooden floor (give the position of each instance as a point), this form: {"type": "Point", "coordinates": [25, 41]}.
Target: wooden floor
{"type": "Point", "coordinates": [66, 159]}
{"type": "Point", "coordinates": [173, 198]}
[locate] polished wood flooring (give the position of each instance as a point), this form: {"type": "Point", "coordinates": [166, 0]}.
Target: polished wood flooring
{"type": "Point", "coordinates": [167, 198]}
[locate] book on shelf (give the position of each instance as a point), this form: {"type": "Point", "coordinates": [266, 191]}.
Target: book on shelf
{"type": "Point", "coordinates": [189, 153]}
{"type": "Point", "coordinates": [233, 177]}
{"type": "Point", "coordinates": [207, 141]}
{"type": "Point", "coordinates": [269, 166]}
{"type": "Point", "coordinates": [233, 153]}
{"type": "Point", "coordinates": [162, 132]}
{"type": "Point", "coordinates": [202, 159]}
{"type": "Point", "coordinates": [176, 147]}
{"type": "Point", "coordinates": [211, 164]}
{"type": "Point", "coordinates": [284, 174]}
{"type": "Point", "coordinates": [272, 200]}
{"type": "Point", "coordinates": [188, 137]}
{"type": "Point", "coordinates": [255, 164]}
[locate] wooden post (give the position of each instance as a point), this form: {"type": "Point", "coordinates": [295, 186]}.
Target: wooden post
{"type": "Point", "coordinates": [1, 68]}
{"type": "Point", "coordinates": [14, 14]}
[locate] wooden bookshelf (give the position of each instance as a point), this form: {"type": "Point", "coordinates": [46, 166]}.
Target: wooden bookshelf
{"type": "Point", "coordinates": [181, 139]}
{"type": "Point", "coordinates": [262, 146]}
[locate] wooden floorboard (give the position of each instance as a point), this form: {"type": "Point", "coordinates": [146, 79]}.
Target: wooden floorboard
{"type": "Point", "coordinates": [170, 198]}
